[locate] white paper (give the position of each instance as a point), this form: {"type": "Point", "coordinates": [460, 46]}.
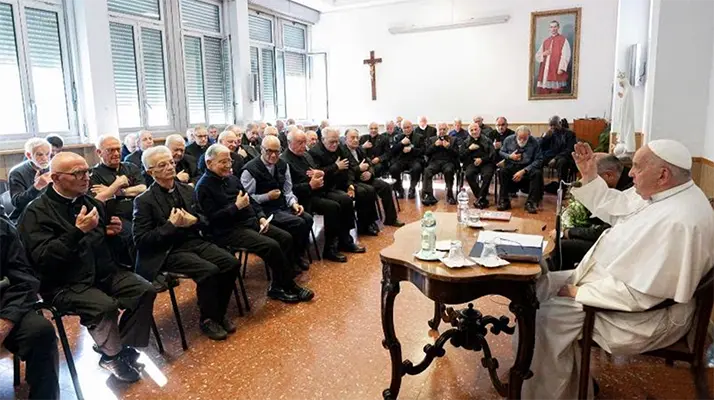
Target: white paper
{"type": "Point", "coordinates": [507, 238]}
{"type": "Point", "coordinates": [445, 245]}
{"type": "Point", "coordinates": [458, 262]}
{"type": "Point", "coordinates": [490, 262]}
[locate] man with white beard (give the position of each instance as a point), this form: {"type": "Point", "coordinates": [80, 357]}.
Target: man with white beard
{"type": "Point", "coordinates": [28, 179]}
{"type": "Point", "coordinates": [659, 248]}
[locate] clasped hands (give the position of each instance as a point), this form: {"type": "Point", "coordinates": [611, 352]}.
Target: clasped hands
{"type": "Point", "coordinates": [181, 218]}
{"type": "Point", "coordinates": [86, 221]}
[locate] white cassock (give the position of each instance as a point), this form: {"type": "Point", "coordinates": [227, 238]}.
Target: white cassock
{"type": "Point", "coordinates": [624, 119]}
{"type": "Point", "coordinates": [657, 249]}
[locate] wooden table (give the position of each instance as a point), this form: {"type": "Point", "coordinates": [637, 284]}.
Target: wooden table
{"type": "Point", "coordinates": [444, 286]}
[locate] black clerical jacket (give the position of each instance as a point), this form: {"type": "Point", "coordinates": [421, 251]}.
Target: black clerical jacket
{"type": "Point", "coordinates": [63, 256]}
{"type": "Point", "coordinates": [354, 169]}
{"type": "Point", "coordinates": [558, 144]}
{"type": "Point", "coordinates": [135, 158]}
{"type": "Point", "coordinates": [426, 133]}
{"type": "Point", "coordinates": [484, 150]}
{"type": "Point", "coordinates": [442, 153]}
{"type": "Point", "coordinates": [299, 165]}
{"type": "Point", "coordinates": [417, 152]}
{"type": "Point", "coordinates": [22, 187]}
{"type": "Point", "coordinates": [237, 163]}
{"type": "Point", "coordinates": [380, 147]}
{"type": "Point", "coordinates": [325, 160]}
{"type": "Point", "coordinates": [154, 235]}
{"type": "Point", "coordinates": [104, 175]}
{"type": "Point", "coordinates": [17, 299]}
{"type": "Point", "coordinates": [196, 151]}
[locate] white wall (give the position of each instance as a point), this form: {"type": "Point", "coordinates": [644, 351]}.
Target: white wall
{"type": "Point", "coordinates": [679, 82]}
{"type": "Point", "coordinates": [709, 133]}
{"type": "Point", "coordinates": [465, 72]}
{"type": "Point", "coordinates": [632, 28]}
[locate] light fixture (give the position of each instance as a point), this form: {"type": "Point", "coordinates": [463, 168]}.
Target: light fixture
{"type": "Point", "coordinates": [499, 19]}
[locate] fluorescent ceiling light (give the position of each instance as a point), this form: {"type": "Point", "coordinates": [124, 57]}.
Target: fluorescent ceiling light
{"type": "Point", "coordinates": [499, 19]}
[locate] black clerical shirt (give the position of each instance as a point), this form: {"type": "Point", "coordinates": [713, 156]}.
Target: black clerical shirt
{"type": "Point", "coordinates": [105, 175]}
{"type": "Point", "coordinates": [216, 197]}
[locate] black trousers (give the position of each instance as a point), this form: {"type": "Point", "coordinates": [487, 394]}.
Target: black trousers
{"type": "Point", "coordinates": [564, 166]}
{"type": "Point", "coordinates": [298, 227]}
{"type": "Point", "coordinates": [365, 204]}
{"type": "Point", "coordinates": [212, 268]}
{"type": "Point", "coordinates": [33, 340]}
{"type": "Point", "coordinates": [413, 166]}
{"type": "Point", "coordinates": [471, 174]}
{"type": "Point", "coordinates": [98, 309]}
{"type": "Point", "coordinates": [573, 251]}
{"type": "Point", "coordinates": [347, 214]}
{"type": "Point", "coordinates": [384, 191]}
{"type": "Point", "coordinates": [380, 169]}
{"type": "Point", "coordinates": [330, 210]}
{"type": "Point", "coordinates": [448, 168]}
{"type": "Point", "coordinates": [532, 182]}
{"type": "Point", "coordinates": [122, 245]}
{"type": "Point", "coordinates": [274, 247]}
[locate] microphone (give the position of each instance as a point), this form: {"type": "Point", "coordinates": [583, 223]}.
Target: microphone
{"type": "Point", "coordinates": [575, 184]}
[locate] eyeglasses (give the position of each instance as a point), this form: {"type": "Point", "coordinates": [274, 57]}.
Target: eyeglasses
{"type": "Point", "coordinates": [164, 165]}
{"type": "Point", "coordinates": [79, 174]}
{"type": "Point", "coordinates": [269, 151]}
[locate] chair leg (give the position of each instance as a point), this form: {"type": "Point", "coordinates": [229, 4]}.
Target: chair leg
{"type": "Point", "coordinates": [588, 325]}
{"type": "Point", "coordinates": [314, 243]}
{"type": "Point", "coordinates": [240, 282]}
{"type": "Point", "coordinates": [177, 314]}
{"type": "Point", "coordinates": [237, 296]}
{"type": "Point", "coordinates": [379, 210]}
{"type": "Point", "coordinates": [68, 356]}
{"type": "Point", "coordinates": [155, 329]}
{"type": "Point", "coordinates": [309, 256]}
{"type": "Point", "coordinates": [15, 370]}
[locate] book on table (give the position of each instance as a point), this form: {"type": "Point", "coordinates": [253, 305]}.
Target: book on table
{"type": "Point", "coordinates": [494, 215]}
{"type": "Point", "coordinates": [511, 246]}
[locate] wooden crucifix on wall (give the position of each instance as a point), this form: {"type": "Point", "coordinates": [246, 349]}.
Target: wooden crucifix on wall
{"type": "Point", "coordinates": [372, 62]}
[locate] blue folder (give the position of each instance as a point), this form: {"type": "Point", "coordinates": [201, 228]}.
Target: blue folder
{"type": "Point", "coordinates": [511, 252]}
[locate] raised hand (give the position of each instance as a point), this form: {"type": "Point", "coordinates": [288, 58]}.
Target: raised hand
{"type": "Point", "coordinates": [497, 145]}
{"type": "Point", "coordinates": [342, 164]}
{"type": "Point", "coordinates": [363, 166]}
{"type": "Point", "coordinates": [183, 176]}
{"type": "Point", "coordinates": [42, 180]}
{"type": "Point", "coordinates": [242, 200]}
{"type": "Point", "coordinates": [407, 149]}
{"type": "Point", "coordinates": [274, 194]}
{"type": "Point", "coordinates": [445, 143]}
{"type": "Point", "coordinates": [375, 160]}
{"type": "Point", "coordinates": [175, 217]}
{"type": "Point", "coordinates": [96, 189]}
{"type": "Point", "coordinates": [351, 191]}
{"type": "Point", "coordinates": [515, 156]}
{"type": "Point", "coordinates": [86, 221]}
{"type": "Point", "coordinates": [122, 181]}
{"type": "Point", "coordinates": [473, 147]}
{"type": "Point", "coordinates": [367, 145]}
{"type": "Point", "coordinates": [366, 175]}
{"type": "Point", "coordinates": [187, 218]}
{"type": "Point", "coordinates": [406, 141]}
{"type": "Point", "coordinates": [478, 162]}
{"type": "Point", "coordinates": [316, 183]}
{"type": "Point", "coordinates": [242, 153]}
{"type": "Point", "coordinates": [114, 226]}
{"type": "Point", "coordinates": [585, 160]}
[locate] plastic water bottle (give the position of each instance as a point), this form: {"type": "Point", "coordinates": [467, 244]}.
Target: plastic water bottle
{"type": "Point", "coordinates": [428, 233]}
{"type": "Point", "coordinates": [462, 212]}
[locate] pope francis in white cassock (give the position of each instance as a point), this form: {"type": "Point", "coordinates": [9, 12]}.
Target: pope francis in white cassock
{"type": "Point", "coordinates": [659, 247]}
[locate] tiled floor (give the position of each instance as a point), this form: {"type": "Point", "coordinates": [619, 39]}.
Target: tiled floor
{"type": "Point", "coordinates": [330, 348]}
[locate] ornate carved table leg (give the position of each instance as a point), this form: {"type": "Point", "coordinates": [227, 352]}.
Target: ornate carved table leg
{"type": "Point", "coordinates": [524, 309]}
{"type": "Point", "coordinates": [438, 312]}
{"type": "Point", "coordinates": [389, 292]}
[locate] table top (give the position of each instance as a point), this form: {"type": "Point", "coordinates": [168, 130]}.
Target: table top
{"type": "Point", "coordinates": [407, 241]}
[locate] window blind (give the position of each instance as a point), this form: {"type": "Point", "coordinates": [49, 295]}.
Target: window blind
{"type": "Point", "coordinates": [194, 80]}
{"type": "Point", "coordinates": [260, 29]}
{"type": "Point", "coordinates": [198, 15]}
{"type": "Point", "coordinates": [268, 83]}
{"type": "Point", "coordinates": [13, 107]}
{"type": "Point", "coordinates": [228, 81]}
{"type": "Point", "coordinates": [47, 69]}
{"type": "Point", "coordinates": [215, 89]}
{"type": "Point", "coordinates": [294, 36]}
{"type": "Point", "coordinates": [295, 85]}
{"type": "Point", "coordinates": [154, 77]}
{"type": "Point", "coordinates": [126, 88]}
{"type": "Point", "coordinates": [141, 8]}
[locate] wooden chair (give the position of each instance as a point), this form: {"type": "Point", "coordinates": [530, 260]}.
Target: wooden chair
{"type": "Point", "coordinates": [679, 351]}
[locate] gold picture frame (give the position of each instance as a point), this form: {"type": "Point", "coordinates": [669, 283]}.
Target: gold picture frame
{"type": "Point", "coordinates": [550, 52]}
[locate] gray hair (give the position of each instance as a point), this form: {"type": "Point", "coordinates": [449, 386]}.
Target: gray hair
{"type": "Point", "coordinates": [524, 128]}
{"type": "Point", "coordinates": [293, 133]}
{"type": "Point", "coordinates": [327, 130]}
{"type": "Point", "coordinates": [34, 143]}
{"type": "Point", "coordinates": [350, 130]}
{"type": "Point", "coordinates": [131, 136]}
{"type": "Point", "coordinates": [268, 139]}
{"type": "Point", "coordinates": [100, 140]}
{"type": "Point", "coordinates": [609, 163]}
{"type": "Point", "coordinates": [174, 138]}
{"type": "Point", "coordinates": [438, 125]}
{"type": "Point", "coordinates": [214, 150]}
{"type": "Point", "coordinates": [225, 133]}
{"type": "Point", "coordinates": [147, 157]}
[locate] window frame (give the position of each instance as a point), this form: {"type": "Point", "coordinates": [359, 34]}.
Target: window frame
{"type": "Point", "coordinates": [138, 23]}
{"type": "Point", "coordinates": [27, 87]}
{"type": "Point", "coordinates": [260, 45]}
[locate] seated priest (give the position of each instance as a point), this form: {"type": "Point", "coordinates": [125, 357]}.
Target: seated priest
{"type": "Point", "coordinates": [582, 229]}
{"type": "Point", "coordinates": [232, 141]}
{"type": "Point", "coordinates": [366, 179]}
{"type": "Point", "coordinates": [29, 179]}
{"type": "Point", "coordinates": [198, 146]}
{"type": "Point", "coordinates": [376, 148]}
{"type": "Point", "coordinates": [212, 134]}
{"type": "Point", "coordinates": [273, 131]}
{"type": "Point", "coordinates": [312, 139]}
{"type": "Point", "coordinates": [397, 125]}
{"type": "Point", "coordinates": [309, 187]}
{"type": "Point", "coordinates": [424, 130]}
{"type": "Point", "coordinates": [237, 221]}
{"type": "Point", "coordinates": [407, 155]}
{"type": "Point", "coordinates": [658, 249]}
{"type": "Point", "coordinates": [145, 140]}
{"type": "Point", "coordinates": [56, 142]}
{"type": "Point", "coordinates": [459, 133]}
{"type": "Point", "coordinates": [252, 137]}
{"type": "Point", "coordinates": [442, 152]}
{"type": "Point", "coordinates": [244, 149]}
{"type": "Point", "coordinates": [485, 129]}
{"type": "Point", "coordinates": [332, 158]}
{"type": "Point", "coordinates": [282, 133]}
{"type": "Point", "coordinates": [267, 180]}
{"type": "Point", "coordinates": [116, 184]}
{"type": "Point", "coordinates": [557, 146]}
{"type": "Point", "coordinates": [186, 166]}
{"type": "Point", "coordinates": [477, 154]}
{"type": "Point", "coordinates": [390, 131]}
{"type": "Point", "coordinates": [168, 237]}
{"type": "Point", "coordinates": [65, 233]}
{"type": "Point", "coordinates": [22, 331]}
{"type": "Point", "coordinates": [323, 124]}
{"type": "Point", "coordinates": [523, 169]}
{"type": "Point", "coordinates": [500, 134]}
{"type": "Point", "coordinates": [130, 144]}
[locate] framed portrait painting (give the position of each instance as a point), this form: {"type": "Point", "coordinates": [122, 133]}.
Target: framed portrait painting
{"type": "Point", "coordinates": [554, 54]}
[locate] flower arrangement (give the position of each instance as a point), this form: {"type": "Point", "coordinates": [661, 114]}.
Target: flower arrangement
{"type": "Point", "coordinates": [576, 215]}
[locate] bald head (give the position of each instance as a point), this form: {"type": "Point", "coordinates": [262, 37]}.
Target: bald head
{"type": "Point", "coordinates": [229, 139]}
{"type": "Point", "coordinates": [70, 174]}
{"type": "Point", "coordinates": [62, 161]}
{"type": "Point", "coordinates": [407, 127]}
{"type": "Point", "coordinates": [270, 149]}
{"type": "Point", "coordinates": [297, 142]}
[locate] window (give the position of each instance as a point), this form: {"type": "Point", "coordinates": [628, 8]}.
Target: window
{"type": "Point", "coordinates": [138, 57]}
{"type": "Point", "coordinates": [262, 61]}
{"type": "Point", "coordinates": [35, 72]}
{"type": "Point", "coordinates": [206, 63]}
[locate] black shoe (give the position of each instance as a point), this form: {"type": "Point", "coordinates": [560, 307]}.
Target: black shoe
{"type": "Point", "coordinates": [120, 368]}
{"type": "Point", "coordinates": [451, 200]}
{"type": "Point", "coordinates": [130, 354]}
{"type": "Point", "coordinates": [412, 193]}
{"type": "Point", "coordinates": [278, 293]}
{"type": "Point", "coordinates": [334, 255]}
{"type": "Point", "coordinates": [429, 200]}
{"type": "Point", "coordinates": [229, 325]}
{"type": "Point", "coordinates": [503, 206]}
{"type": "Point", "coordinates": [352, 248]}
{"type": "Point", "coordinates": [400, 194]}
{"type": "Point", "coordinates": [531, 208]}
{"type": "Point", "coordinates": [213, 330]}
{"type": "Point", "coordinates": [302, 265]}
{"type": "Point", "coordinates": [303, 294]}
{"type": "Point", "coordinates": [396, 223]}
{"type": "Point", "coordinates": [481, 204]}
{"type": "Point", "coordinates": [370, 230]}
{"type": "Point", "coordinates": [374, 226]}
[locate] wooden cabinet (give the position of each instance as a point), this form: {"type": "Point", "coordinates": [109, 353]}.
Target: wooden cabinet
{"type": "Point", "coordinates": [589, 130]}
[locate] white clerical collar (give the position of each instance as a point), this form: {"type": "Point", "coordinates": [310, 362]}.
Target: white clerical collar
{"type": "Point", "coordinates": [671, 192]}
{"type": "Point", "coordinates": [73, 199]}
{"type": "Point", "coordinates": [354, 153]}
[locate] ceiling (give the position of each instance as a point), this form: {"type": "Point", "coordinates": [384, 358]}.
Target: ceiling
{"type": "Point", "coordinates": [338, 5]}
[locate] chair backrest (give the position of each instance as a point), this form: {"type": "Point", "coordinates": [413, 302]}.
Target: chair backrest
{"type": "Point", "coordinates": [704, 296]}
{"type": "Point", "coordinates": [6, 202]}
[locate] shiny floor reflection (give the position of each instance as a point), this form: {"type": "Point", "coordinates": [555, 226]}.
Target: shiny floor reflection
{"type": "Point", "coordinates": [331, 348]}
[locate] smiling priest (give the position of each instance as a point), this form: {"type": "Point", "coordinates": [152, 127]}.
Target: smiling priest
{"type": "Point", "coordinates": [659, 248]}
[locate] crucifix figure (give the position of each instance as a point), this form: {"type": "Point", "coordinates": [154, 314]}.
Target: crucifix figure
{"type": "Point", "coordinates": [372, 62]}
